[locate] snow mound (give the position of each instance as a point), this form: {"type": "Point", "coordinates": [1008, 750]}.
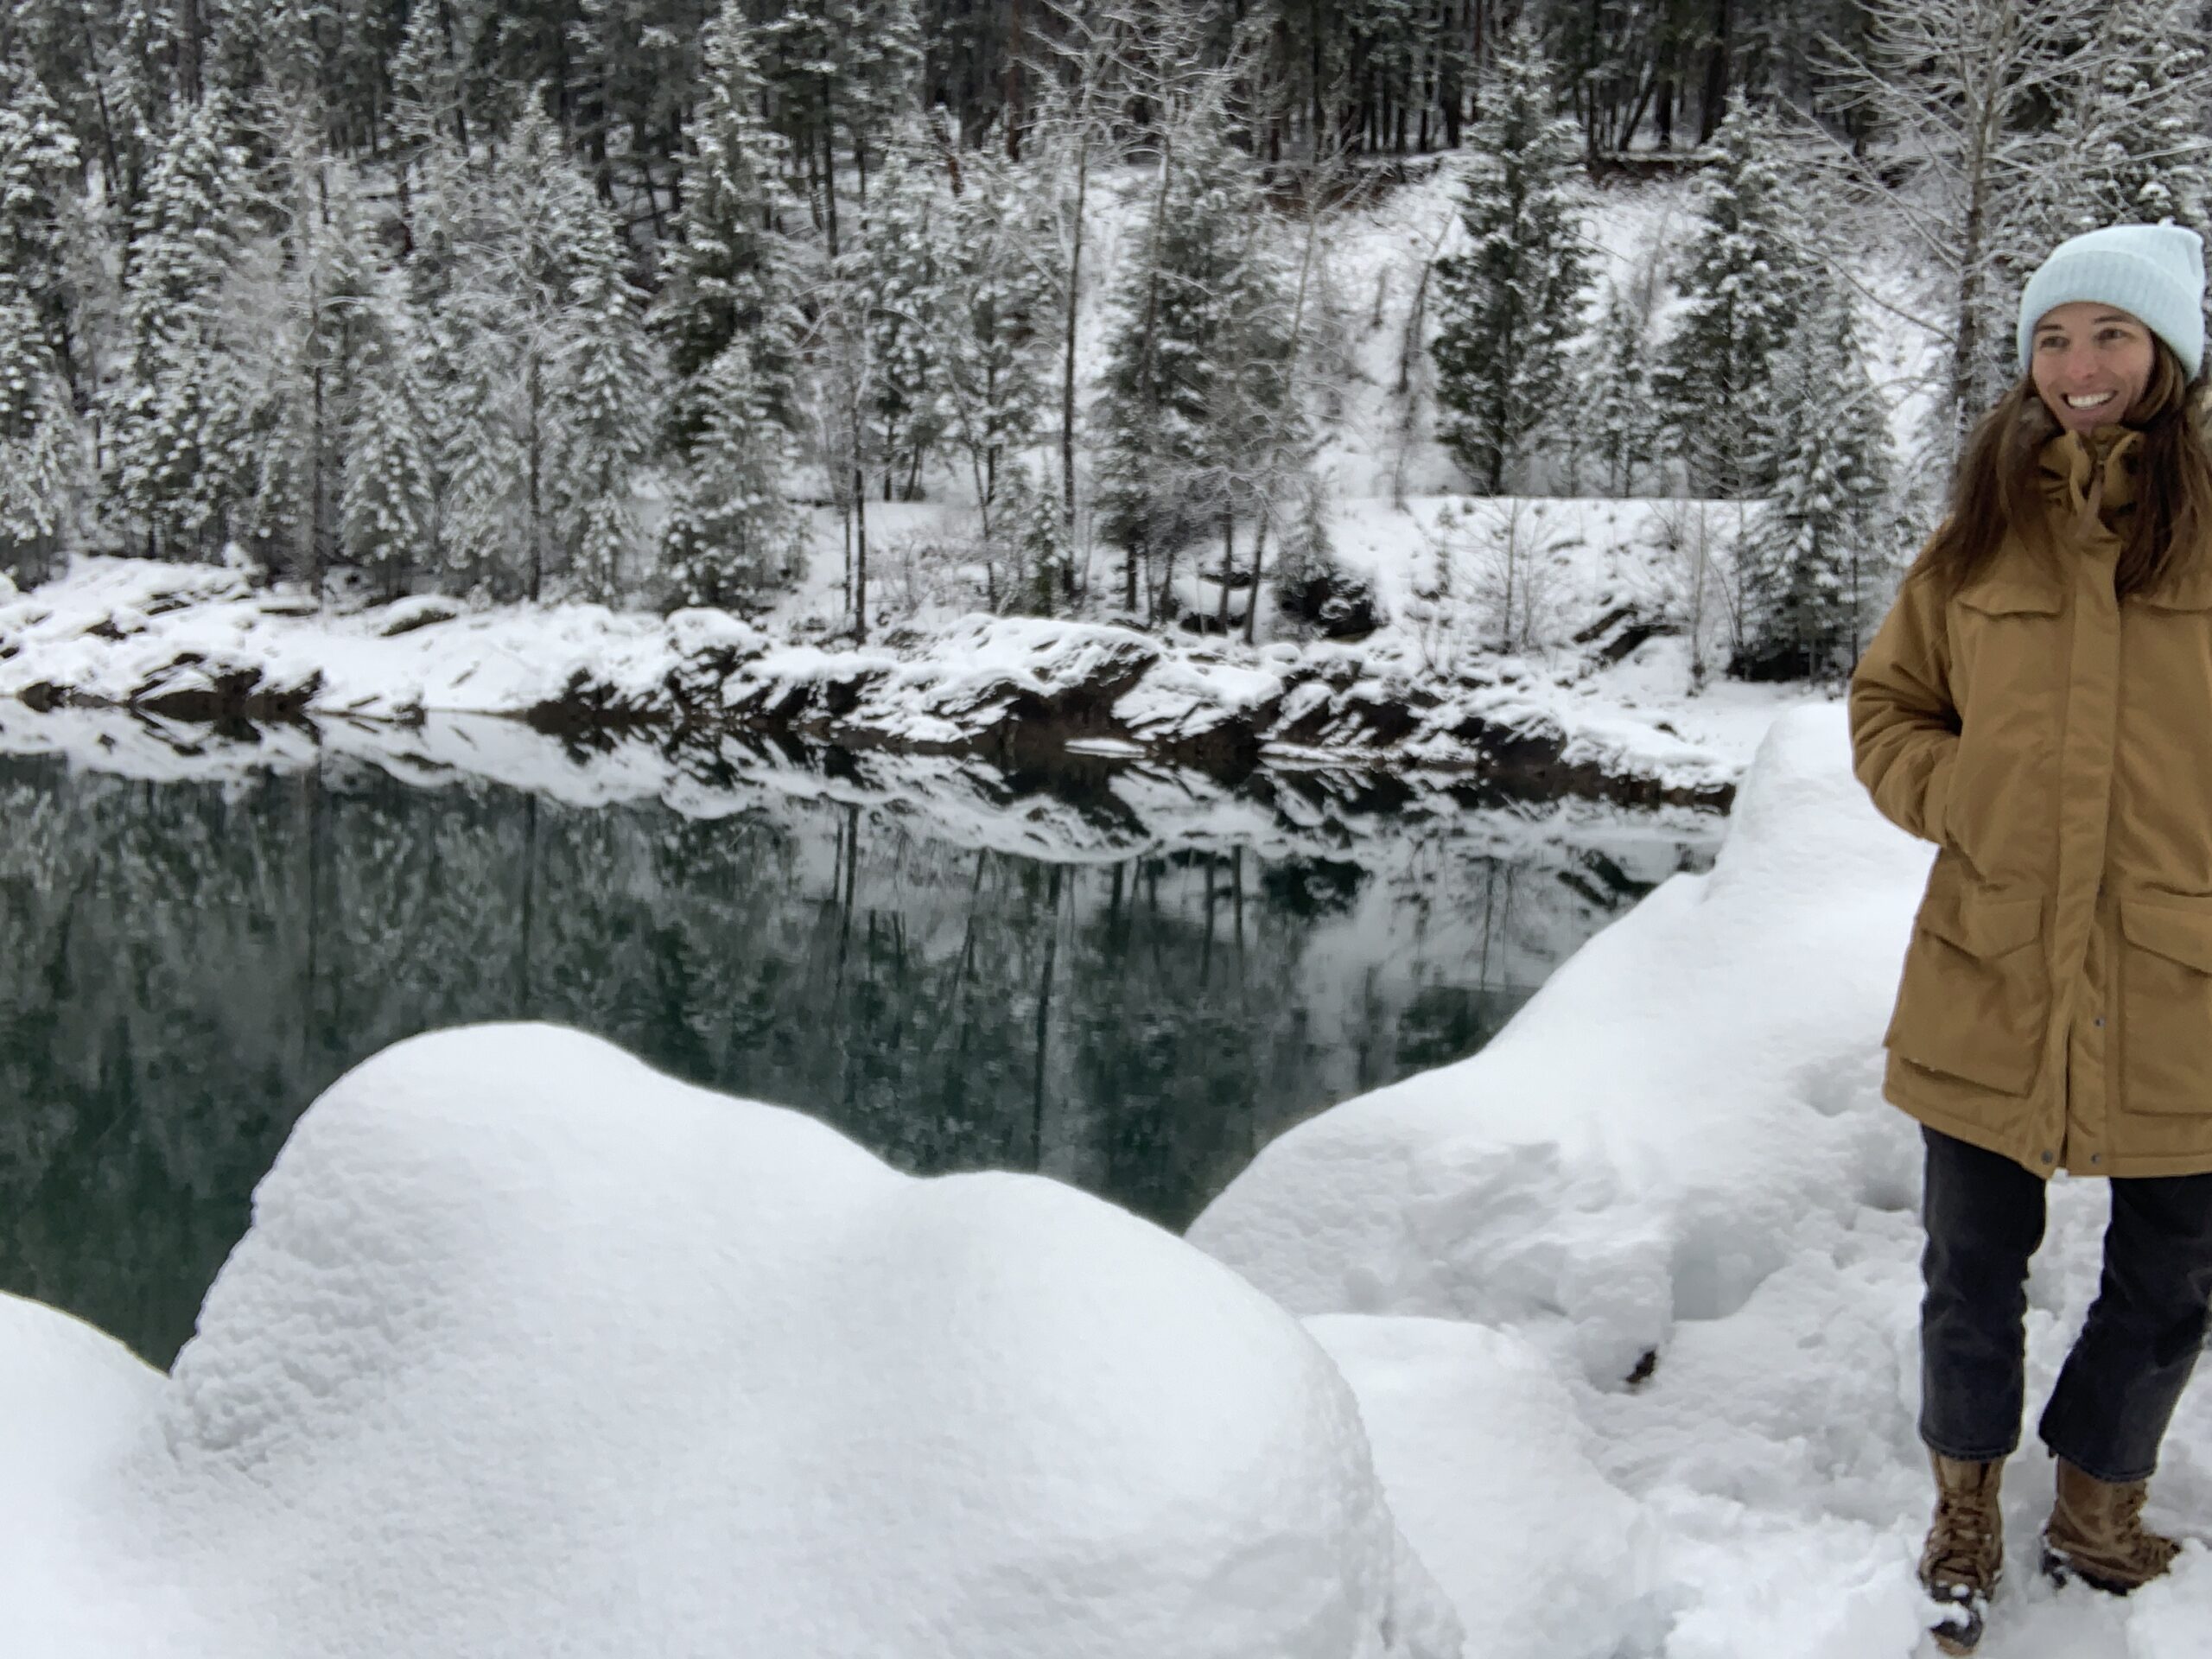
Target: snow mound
{"type": "Point", "coordinates": [1488, 1467]}
{"type": "Point", "coordinates": [530, 1350]}
{"type": "Point", "coordinates": [1641, 1142]}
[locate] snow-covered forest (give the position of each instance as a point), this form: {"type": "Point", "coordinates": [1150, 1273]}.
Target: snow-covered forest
{"type": "Point", "coordinates": [653, 303]}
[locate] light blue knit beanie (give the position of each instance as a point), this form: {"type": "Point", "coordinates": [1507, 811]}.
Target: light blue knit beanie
{"type": "Point", "coordinates": [2155, 272]}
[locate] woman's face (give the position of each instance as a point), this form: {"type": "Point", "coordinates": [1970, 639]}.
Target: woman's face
{"type": "Point", "coordinates": [2090, 363]}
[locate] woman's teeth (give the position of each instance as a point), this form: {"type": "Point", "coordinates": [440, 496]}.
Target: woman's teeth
{"type": "Point", "coordinates": [2090, 402]}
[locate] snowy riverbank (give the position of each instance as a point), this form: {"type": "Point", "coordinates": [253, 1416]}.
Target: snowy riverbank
{"type": "Point", "coordinates": [1606, 707]}
{"type": "Point", "coordinates": [528, 1349]}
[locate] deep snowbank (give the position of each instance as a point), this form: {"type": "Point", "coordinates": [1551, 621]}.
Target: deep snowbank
{"type": "Point", "coordinates": [1678, 1149]}
{"type": "Point", "coordinates": [533, 1350]}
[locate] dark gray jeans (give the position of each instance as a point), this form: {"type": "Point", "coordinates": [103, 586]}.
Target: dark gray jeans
{"type": "Point", "coordinates": [2119, 1388]}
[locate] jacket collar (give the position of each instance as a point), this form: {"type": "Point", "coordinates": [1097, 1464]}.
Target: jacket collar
{"type": "Point", "coordinates": [2072, 460]}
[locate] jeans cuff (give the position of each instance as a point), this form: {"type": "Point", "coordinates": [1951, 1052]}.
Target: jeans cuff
{"type": "Point", "coordinates": [1936, 1444]}
{"type": "Point", "coordinates": [2090, 1466]}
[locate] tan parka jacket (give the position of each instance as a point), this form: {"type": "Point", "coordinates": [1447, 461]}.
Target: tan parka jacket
{"type": "Point", "coordinates": [2056, 745]}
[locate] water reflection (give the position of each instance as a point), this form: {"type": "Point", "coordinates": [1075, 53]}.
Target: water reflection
{"type": "Point", "coordinates": [190, 962]}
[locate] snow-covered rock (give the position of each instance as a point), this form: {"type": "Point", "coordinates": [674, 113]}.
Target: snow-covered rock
{"type": "Point", "coordinates": [532, 1351]}
{"type": "Point", "coordinates": [198, 643]}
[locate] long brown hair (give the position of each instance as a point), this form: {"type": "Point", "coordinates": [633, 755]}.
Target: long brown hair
{"type": "Point", "coordinates": [1999, 485]}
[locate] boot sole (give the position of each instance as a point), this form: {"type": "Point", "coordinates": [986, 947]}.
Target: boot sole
{"type": "Point", "coordinates": [2062, 1571]}
{"type": "Point", "coordinates": [1962, 1640]}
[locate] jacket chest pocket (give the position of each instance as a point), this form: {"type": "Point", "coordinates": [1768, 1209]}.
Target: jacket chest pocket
{"type": "Point", "coordinates": [2165, 1005]}
{"type": "Point", "coordinates": [1976, 999]}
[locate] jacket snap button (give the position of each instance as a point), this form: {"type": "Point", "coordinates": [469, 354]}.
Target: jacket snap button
{"type": "Point", "coordinates": [2051, 1157]}
{"type": "Point", "coordinates": [2096, 1158]}
{"type": "Point", "coordinates": [2099, 1022]}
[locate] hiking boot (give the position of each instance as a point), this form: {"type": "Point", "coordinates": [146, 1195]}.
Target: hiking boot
{"type": "Point", "coordinates": [1965, 1554]}
{"type": "Point", "coordinates": [2096, 1533]}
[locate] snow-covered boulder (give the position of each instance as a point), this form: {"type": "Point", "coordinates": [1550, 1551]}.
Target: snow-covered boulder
{"type": "Point", "coordinates": [533, 1350]}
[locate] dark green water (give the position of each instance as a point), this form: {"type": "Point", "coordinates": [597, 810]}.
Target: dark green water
{"type": "Point", "coordinates": [184, 965]}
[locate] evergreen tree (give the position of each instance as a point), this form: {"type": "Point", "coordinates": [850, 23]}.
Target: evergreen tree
{"type": "Point", "coordinates": [184, 462]}
{"type": "Point", "coordinates": [731, 537]}
{"type": "Point", "coordinates": [327, 326]}
{"type": "Point", "coordinates": [1616, 406]}
{"type": "Point", "coordinates": [1510, 305]}
{"type": "Point", "coordinates": [544, 389]}
{"type": "Point", "coordinates": [1195, 359]}
{"type": "Point", "coordinates": [38, 170]}
{"type": "Point", "coordinates": [898, 264]}
{"type": "Point", "coordinates": [41, 455]}
{"type": "Point", "coordinates": [41, 458]}
{"type": "Point", "coordinates": [608, 401]}
{"type": "Point", "coordinates": [1743, 297]}
{"type": "Point", "coordinates": [2134, 145]}
{"type": "Point", "coordinates": [994, 323]}
{"type": "Point", "coordinates": [841, 68]}
{"type": "Point", "coordinates": [388, 505]}
{"type": "Point", "coordinates": [730, 274]}
{"type": "Point", "coordinates": [1815, 559]}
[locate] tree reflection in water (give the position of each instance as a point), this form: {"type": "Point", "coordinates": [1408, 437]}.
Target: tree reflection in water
{"type": "Point", "coordinates": [188, 963]}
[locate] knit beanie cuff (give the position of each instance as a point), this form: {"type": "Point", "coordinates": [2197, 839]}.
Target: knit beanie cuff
{"type": "Point", "coordinates": [2153, 272]}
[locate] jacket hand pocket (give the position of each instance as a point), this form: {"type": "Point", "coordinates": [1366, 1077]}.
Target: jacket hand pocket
{"type": "Point", "coordinates": [2165, 1005]}
{"type": "Point", "coordinates": [1975, 998]}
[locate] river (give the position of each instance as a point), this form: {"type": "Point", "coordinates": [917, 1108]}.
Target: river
{"type": "Point", "coordinates": [1126, 978]}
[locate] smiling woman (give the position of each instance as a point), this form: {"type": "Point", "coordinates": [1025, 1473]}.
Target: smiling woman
{"type": "Point", "coordinates": [2090, 363]}
{"type": "Point", "coordinates": [2038, 704]}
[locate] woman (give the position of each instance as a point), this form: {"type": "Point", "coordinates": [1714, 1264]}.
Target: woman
{"type": "Point", "coordinates": [2038, 704]}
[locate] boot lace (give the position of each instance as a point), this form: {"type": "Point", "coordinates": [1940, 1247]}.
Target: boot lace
{"type": "Point", "coordinates": [1959, 1542]}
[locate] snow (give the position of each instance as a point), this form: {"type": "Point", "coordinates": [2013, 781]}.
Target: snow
{"type": "Point", "coordinates": [530, 1350]}
{"type": "Point", "coordinates": [1488, 1472]}
{"type": "Point", "coordinates": [134, 633]}
{"type": "Point", "coordinates": [1678, 1149]}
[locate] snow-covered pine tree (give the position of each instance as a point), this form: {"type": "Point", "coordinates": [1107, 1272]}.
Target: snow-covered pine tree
{"type": "Point", "coordinates": [1818, 555]}
{"type": "Point", "coordinates": [729, 270]}
{"type": "Point", "coordinates": [183, 454]}
{"type": "Point", "coordinates": [898, 262]}
{"type": "Point", "coordinates": [845, 69]}
{"type": "Point", "coordinates": [994, 327]}
{"type": "Point", "coordinates": [502, 418]}
{"type": "Point", "coordinates": [41, 450]}
{"type": "Point", "coordinates": [1622, 433]}
{"type": "Point", "coordinates": [1743, 290]}
{"type": "Point", "coordinates": [731, 324]}
{"type": "Point", "coordinates": [387, 512]}
{"type": "Point", "coordinates": [1509, 303]}
{"type": "Point", "coordinates": [607, 394]}
{"type": "Point", "coordinates": [1193, 373]}
{"type": "Point", "coordinates": [732, 536]}
{"type": "Point", "coordinates": [2134, 141]}
{"type": "Point", "coordinates": [429, 83]}
{"type": "Point", "coordinates": [324, 330]}
{"type": "Point", "coordinates": [38, 177]}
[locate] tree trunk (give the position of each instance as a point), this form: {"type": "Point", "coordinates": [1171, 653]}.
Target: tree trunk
{"type": "Point", "coordinates": [1067, 365]}
{"type": "Point", "coordinates": [1718, 52]}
